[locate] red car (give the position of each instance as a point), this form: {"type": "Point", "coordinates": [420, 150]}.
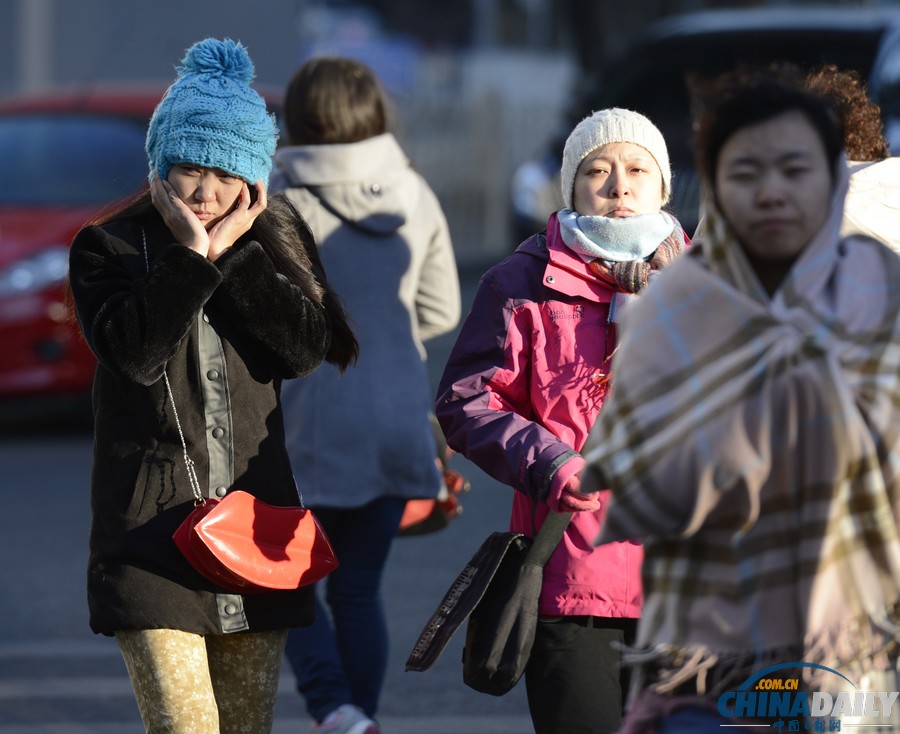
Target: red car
{"type": "Point", "coordinates": [68, 156]}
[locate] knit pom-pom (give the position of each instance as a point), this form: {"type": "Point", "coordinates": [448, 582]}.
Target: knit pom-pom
{"type": "Point", "coordinates": [212, 56]}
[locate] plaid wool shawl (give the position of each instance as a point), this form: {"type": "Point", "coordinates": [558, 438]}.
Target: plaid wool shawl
{"type": "Point", "coordinates": [751, 443]}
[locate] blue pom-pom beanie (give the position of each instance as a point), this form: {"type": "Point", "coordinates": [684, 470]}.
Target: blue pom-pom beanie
{"type": "Point", "coordinates": [210, 116]}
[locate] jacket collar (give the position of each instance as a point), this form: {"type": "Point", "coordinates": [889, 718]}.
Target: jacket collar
{"type": "Point", "coordinates": [569, 274]}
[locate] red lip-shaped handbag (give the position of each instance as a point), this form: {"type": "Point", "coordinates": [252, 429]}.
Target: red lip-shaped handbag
{"type": "Point", "coordinates": [248, 546]}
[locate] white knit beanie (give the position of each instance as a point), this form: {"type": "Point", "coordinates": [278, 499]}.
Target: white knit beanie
{"type": "Point", "coordinates": [614, 125]}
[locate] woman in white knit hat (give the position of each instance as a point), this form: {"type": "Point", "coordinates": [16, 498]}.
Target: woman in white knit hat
{"type": "Point", "coordinates": [526, 379]}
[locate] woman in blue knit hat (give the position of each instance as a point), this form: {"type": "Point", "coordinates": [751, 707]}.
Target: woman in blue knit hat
{"type": "Point", "coordinates": [197, 299]}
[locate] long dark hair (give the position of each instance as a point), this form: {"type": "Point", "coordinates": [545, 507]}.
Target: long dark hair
{"type": "Point", "coordinates": [288, 241]}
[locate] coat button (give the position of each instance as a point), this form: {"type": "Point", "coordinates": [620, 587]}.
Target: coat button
{"type": "Point", "coordinates": [218, 432]}
{"type": "Point", "coordinates": [230, 608]}
{"type": "Point", "coordinates": [212, 375]}
{"type": "Point", "coordinates": [375, 189]}
{"type": "Point", "coordinates": [206, 318]}
{"type": "Point", "coordinates": [221, 491]}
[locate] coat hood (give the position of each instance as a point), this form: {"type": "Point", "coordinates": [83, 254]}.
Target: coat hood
{"type": "Point", "coordinates": [369, 184]}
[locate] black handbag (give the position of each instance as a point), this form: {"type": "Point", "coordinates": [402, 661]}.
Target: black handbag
{"type": "Point", "coordinates": [498, 592]}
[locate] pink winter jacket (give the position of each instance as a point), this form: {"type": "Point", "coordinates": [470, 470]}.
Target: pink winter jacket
{"type": "Point", "coordinates": [518, 397]}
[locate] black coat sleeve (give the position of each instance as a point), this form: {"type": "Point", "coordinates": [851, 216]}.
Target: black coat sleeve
{"type": "Point", "coordinates": [287, 329]}
{"type": "Point", "coordinates": [134, 320]}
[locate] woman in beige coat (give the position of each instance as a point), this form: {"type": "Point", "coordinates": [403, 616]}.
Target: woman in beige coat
{"type": "Point", "coordinates": [362, 445]}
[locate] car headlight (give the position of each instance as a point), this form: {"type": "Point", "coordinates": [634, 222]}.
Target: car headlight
{"type": "Point", "coordinates": [48, 267]}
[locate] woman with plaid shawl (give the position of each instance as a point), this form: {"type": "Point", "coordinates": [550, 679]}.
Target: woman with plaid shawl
{"type": "Point", "coordinates": [751, 434]}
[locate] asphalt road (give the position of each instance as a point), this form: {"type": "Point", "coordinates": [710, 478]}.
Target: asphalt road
{"type": "Point", "coordinates": [56, 677]}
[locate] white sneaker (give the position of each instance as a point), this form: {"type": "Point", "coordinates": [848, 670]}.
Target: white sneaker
{"type": "Point", "coordinates": [346, 719]}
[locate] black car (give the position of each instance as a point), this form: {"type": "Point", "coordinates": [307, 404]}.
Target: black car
{"type": "Point", "coordinates": [653, 74]}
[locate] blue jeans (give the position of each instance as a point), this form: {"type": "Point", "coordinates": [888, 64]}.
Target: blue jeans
{"type": "Point", "coordinates": [342, 657]}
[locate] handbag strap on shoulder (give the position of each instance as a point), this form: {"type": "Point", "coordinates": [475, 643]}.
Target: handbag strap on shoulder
{"type": "Point", "coordinates": [548, 538]}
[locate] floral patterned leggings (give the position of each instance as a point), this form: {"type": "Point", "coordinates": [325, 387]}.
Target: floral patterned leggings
{"type": "Point", "coordinates": [194, 684]}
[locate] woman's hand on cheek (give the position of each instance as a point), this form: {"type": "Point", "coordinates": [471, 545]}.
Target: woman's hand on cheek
{"type": "Point", "coordinates": [238, 221]}
{"type": "Point", "coordinates": [183, 223]}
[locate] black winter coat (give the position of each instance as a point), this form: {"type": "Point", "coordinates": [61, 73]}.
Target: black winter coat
{"type": "Point", "coordinates": [227, 333]}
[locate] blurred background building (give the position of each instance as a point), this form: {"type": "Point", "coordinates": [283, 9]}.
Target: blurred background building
{"type": "Point", "coordinates": [480, 85]}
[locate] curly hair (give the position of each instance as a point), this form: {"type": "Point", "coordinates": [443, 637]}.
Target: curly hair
{"type": "Point", "coordinates": [863, 127]}
{"type": "Point", "coordinates": [750, 94]}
